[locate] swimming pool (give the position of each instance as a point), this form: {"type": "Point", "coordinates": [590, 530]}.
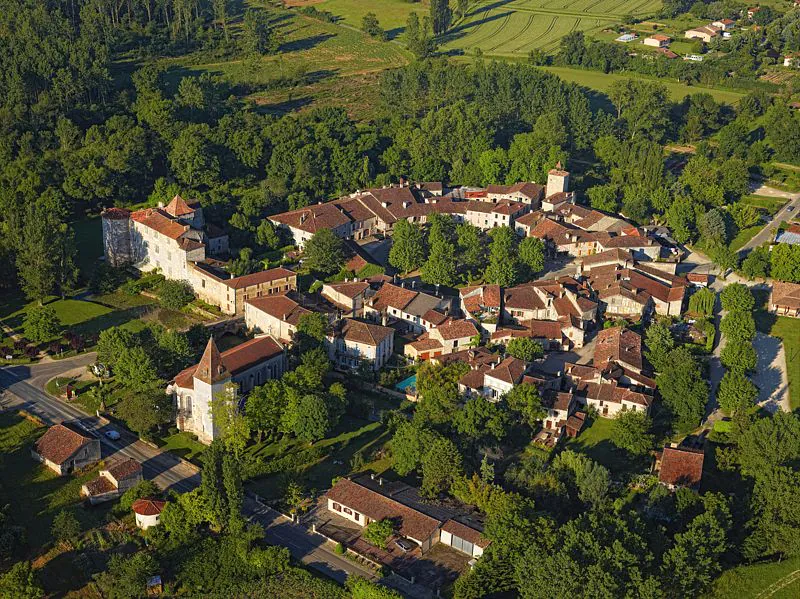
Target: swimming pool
{"type": "Point", "coordinates": [408, 385]}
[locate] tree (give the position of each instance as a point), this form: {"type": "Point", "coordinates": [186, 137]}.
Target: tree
{"type": "Point", "coordinates": [643, 106]}
{"type": "Point", "coordinates": [630, 430]}
{"type": "Point", "coordinates": [66, 527]}
{"type": "Point", "coordinates": [267, 235]}
{"type": "Point", "coordinates": [696, 557]}
{"type": "Point", "coordinates": [739, 357]}
{"type": "Point", "coordinates": [257, 34]}
{"type": "Point", "coordinates": [126, 577]}
{"type": "Point", "coordinates": [659, 343]}
{"type": "Point", "coordinates": [378, 532]}
{"type": "Point", "coordinates": [757, 264]}
{"type": "Point", "coordinates": [371, 26]}
{"type": "Point", "coordinates": [785, 262]}
{"type": "Point", "coordinates": [531, 251]}
{"type": "Point", "coordinates": [324, 253]}
{"type": "Point", "coordinates": [441, 465]}
{"type": "Point", "coordinates": [736, 393]}
{"type": "Point", "coordinates": [712, 227]}
{"type": "Point", "coordinates": [409, 443]}
{"type": "Point", "coordinates": [503, 268]}
{"type": "Point", "coordinates": [408, 246]}
{"type": "Point", "coordinates": [264, 408]}
{"type": "Point", "coordinates": [19, 582]}
{"type": "Point", "coordinates": [234, 495]}
{"type": "Point", "coordinates": [41, 323]}
{"type": "Point", "coordinates": [141, 490]}
{"type": "Point", "coordinates": [193, 157]}
{"type": "Point", "coordinates": [481, 421]}
{"type": "Point", "coordinates": [419, 38]}
{"type": "Point", "coordinates": [313, 325]}
{"type": "Point", "coordinates": [736, 297]}
{"type": "Point", "coordinates": [738, 327]}
{"type": "Point", "coordinates": [361, 588]}
{"type": "Point", "coordinates": [603, 197]}
{"type": "Point", "coordinates": [590, 479]}
{"type": "Point", "coordinates": [311, 421]}
{"type": "Point", "coordinates": [174, 295]}
{"type": "Point", "coordinates": [525, 349]}
{"type": "Point", "coordinates": [702, 302]}
{"type": "Point", "coordinates": [232, 425]}
{"type": "Point", "coordinates": [524, 399]}
{"type": "Point", "coordinates": [144, 409]}
{"type": "Point", "coordinates": [441, 16]}
{"type": "Point", "coordinates": [441, 266]}
{"type": "Point", "coordinates": [470, 247]}
{"type": "Point", "coordinates": [683, 389]}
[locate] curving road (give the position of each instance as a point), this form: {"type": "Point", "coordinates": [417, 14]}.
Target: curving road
{"type": "Point", "coordinates": [789, 211]}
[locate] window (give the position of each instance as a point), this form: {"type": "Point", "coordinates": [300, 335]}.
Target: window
{"type": "Point", "coordinates": [357, 516]}
{"type": "Point", "coordinates": [337, 507]}
{"type": "Point", "coordinates": [348, 511]}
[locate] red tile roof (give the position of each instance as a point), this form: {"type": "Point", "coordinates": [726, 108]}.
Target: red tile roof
{"type": "Point", "coordinates": [410, 522]}
{"type": "Point", "coordinates": [61, 441]}
{"type": "Point", "coordinates": [99, 486]}
{"type": "Point", "coordinates": [230, 362]}
{"type": "Point", "coordinates": [116, 213]}
{"type": "Point", "coordinates": [155, 220]}
{"type": "Point", "coordinates": [178, 207]}
{"type": "Point", "coordinates": [390, 295]}
{"type": "Point", "coordinates": [785, 294]}
{"type": "Point", "coordinates": [124, 469]}
{"type": "Point", "coordinates": [279, 306]}
{"type": "Point", "coordinates": [350, 290]}
{"type": "Point", "coordinates": [466, 532]}
{"type": "Point", "coordinates": [509, 370]}
{"type": "Point", "coordinates": [364, 332]}
{"type": "Point", "coordinates": [148, 507]}
{"type": "Point", "coordinates": [258, 278]}
{"type": "Point", "coordinates": [456, 329]}
{"type": "Point", "coordinates": [681, 466]}
{"type": "Point", "coordinates": [618, 344]}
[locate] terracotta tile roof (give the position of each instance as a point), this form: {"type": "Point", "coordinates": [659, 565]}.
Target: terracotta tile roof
{"type": "Point", "coordinates": [618, 344]}
{"type": "Point", "coordinates": [279, 306]}
{"type": "Point", "coordinates": [576, 422]}
{"type": "Point", "coordinates": [116, 213]}
{"type": "Point", "coordinates": [426, 344]}
{"type": "Point", "coordinates": [681, 466]}
{"type": "Point", "coordinates": [697, 277]}
{"type": "Point", "coordinates": [628, 241]}
{"type": "Point", "coordinates": [785, 294]}
{"type": "Point", "coordinates": [561, 234]}
{"type": "Point", "coordinates": [523, 297]}
{"type": "Point", "coordinates": [435, 317]}
{"type": "Point", "coordinates": [509, 370]}
{"type": "Point", "coordinates": [351, 290]}
{"type": "Point", "coordinates": [390, 295]}
{"type": "Point", "coordinates": [178, 207]}
{"type": "Point", "coordinates": [230, 362]}
{"type": "Point", "coordinates": [258, 278]}
{"type": "Point", "coordinates": [313, 218]}
{"type": "Point", "coordinates": [530, 219]}
{"type": "Point", "coordinates": [660, 37]}
{"type": "Point", "coordinates": [430, 185]}
{"type": "Point", "coordinates": [188, 245]}
{"type": "Point", "coordinates": [155, 220]}
{"type": "Point", "coordinates": [466, 532]}
{"type": "Point", "coordinates": [474, 378]}
{"type": "Point", "coordinates": [363, 332]}
{"type": "Point", "coordinates": [559, 401]}
{"type": "Point", "coordinates": [376, 506]}
{"type": "Point", "coordinates": [99, 486]}
{"type": "Point", "coordinates": [475, 356]}
{"type": "Point", "coordinates": [61, 441]}
{"type": "Point", "coordinates": [456, 329]}
{"type": "Point", "coordinates": [124, 469]}
{"type": "Point", "coordinates": [544, 329]}
{"type": "Point", "coordinates": [505, 207]}
{"type": "Point", "coordinates": [613, 255]}
{"type": "Point", "coordinates": [148, 507]}
{"type": "Point", "coordinates": [667, 52]}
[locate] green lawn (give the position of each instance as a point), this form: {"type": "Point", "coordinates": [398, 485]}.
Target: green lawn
{"type": "Point", "coordinates": [595, 442]}
{"type": "Point", "coordinates": [183, 445]}
{"type": "Point", "coordinates": [744, 236]}
{"type": "Point", "coordinates": [602, 82]}
{"type": "Point", "coordinates": [350, 436]}
{"type": "Point", "coordinates": [771, 205]}
{"type": "Point", "coordinates": [760, 580]}
{"type": "Point", "coordinates": [392, 14]}
{"type": "Point", "coordinates": [36, 494]}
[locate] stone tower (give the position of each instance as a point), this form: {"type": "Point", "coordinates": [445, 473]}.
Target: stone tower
{"type": "Point", "coordinates": [117, 236]}
{"type": "Point", "coordinates": [210, 380]}
{"type": "Point", "coordinates": [557, 181]}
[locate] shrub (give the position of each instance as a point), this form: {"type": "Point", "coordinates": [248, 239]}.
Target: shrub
{"type": "Point", "coordinates": [378, 532]}
{"type": "Point", "coordinates": [174, 295]}
{"type": "Point", "coordinates": [339, 549]}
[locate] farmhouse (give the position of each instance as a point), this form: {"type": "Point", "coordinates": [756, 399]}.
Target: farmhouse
{"type": "Point", "coordinates": [680, 466]}
{"type": "Point", "coordinates": [632, 292]}
{"type": "Point", "coordinates": [724, 24]}
{"type": "Point", "coordinates": [252, 363]}
{"type": "Point", "coordinates": [449, 337]}
{"type": "Point", "coordinates": [113, 481]}
{"type": "Point", "coordinates": [66, 447]}
{"type": "Point", "coordinates": [705, 33]}
{"type": "Point", "coordinates": [659, 40]}
{"type": "Point", "coordinates": [495, 381]}
{"type": "Point", "coordinates": [784, 299]}
{"type": "Point", "coordinates": [348, 296]}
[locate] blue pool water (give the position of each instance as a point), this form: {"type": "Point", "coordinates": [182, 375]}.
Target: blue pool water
{"type": "Point", "coordinates": [408, 384]}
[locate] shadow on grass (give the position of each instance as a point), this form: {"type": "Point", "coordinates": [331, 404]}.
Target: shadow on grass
{"type": "Point", "coordinates": [307, 43]}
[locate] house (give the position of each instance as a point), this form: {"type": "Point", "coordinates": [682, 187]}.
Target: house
{"type": "Point", "coordinates": [618, 345]}
{"type": "Point", "coordinates": [113, 481]}
{"type": "Point", "coordinates": [495, 381]}
{"type": "Point", "coordinates": [148, 512]}
{"type": "Point", "coordinates": [354, 342]}
{"type": "Point", "coordinates": [559, 406]}
{"type": "Point", "coordinates": [66, 448]}
{"type": "Point", "coordinates": [705, 33]}
{"type": "Point", "coordinates": [526, 193]}
{"type": "Point", "coordinates": [449, 337]}
{"type": "Point", "coordinates": [415, 311]}
{"type": "Point", "coordinates": [724, 24]}
{"type": "Point", "coordinates": [487, 216]}
{"type": "Point", "coordinates": [792, 60]}
{"type": "Point", "coordinates": [752, 11]}
{"type": "Point", "coordinates": [626, 37]}
{"type": "Point", "coordinates": [632, 292]}
{"type": "Point", "coordinates": [609, 398]}
{"type": "Point", "coordinates": [348, 296]}
{"type": "Point", "coordinates": [276, 315]}
{"type": "Point", "coordinates": [680, 466]}
{"type": "Point", "coordinates": [482, 304]}
{"type": "Point", "coordinates": [790, 235]}
{"type": "Point", "coordinates": [548, 333]}
{"type": "Point", "coordinates": [361, 500]}
{"type": "Point", "coordinates": [667, 53]}
{"type": "Point", "coordinates": [659, 40]}
{"type": "Point", "coordinates": [784, 299]}
{"type": "Point", "coordinates": [214, 286]}
{"type": "Point", "coordinates": [697, 279]}
{"type": "Point", "coordinates": [246, 365]}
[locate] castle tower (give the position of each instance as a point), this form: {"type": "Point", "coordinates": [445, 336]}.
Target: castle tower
{"type": "Point", "coordinates": [557, 181]}
{"type": "Point", "coordinates": [210, 380]}
{"type": "Point", "coordinates": [117, 236]}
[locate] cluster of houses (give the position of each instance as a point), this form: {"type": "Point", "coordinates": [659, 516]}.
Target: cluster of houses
{"type": "Point", "coordinates": [706, 33]}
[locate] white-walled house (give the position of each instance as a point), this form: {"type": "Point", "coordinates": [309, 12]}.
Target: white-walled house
{"type": "Point", "coordinates": [276, 315]}
{"type": "Point", "coordinates": [66, 448]}
{"type": "Point", "coordinates": [353, 341]}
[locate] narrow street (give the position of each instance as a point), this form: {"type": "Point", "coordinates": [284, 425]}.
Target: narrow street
{"type": "Point", "coordinates": [787, 212]}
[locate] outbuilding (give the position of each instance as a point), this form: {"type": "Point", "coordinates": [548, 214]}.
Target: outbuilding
{"type": "Point", "coordinates": [148, 512]}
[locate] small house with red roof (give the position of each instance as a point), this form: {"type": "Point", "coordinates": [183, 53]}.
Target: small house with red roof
{"type": "Point", "coordinates": [447, 338]}
{"type": "Point", "coordinates": [113, 481]}
{"type": "Point", "coordinates": [148, 512]}
{"type": "Point", "coordinates": [251, 363]}
{"type": "Point", "coordinates": [353, 343]}
{"type": "Point", "coordinates": [679, 466]}
{"type": "Point", "coordinates": [66, 448]}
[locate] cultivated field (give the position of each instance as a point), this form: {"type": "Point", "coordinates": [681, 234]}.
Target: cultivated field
{"type": "Point", "coordinates": [515, 27]}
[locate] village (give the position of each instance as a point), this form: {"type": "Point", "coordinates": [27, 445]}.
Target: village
{"type": "Point", "coordinates": [573, 333]}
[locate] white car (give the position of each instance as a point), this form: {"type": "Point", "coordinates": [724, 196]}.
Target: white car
{"type": "Point", "coordinates": [113, 435]}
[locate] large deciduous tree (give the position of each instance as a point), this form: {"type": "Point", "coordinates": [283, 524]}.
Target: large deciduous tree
{"type": "Point", "coordinates": [683, 389]}
{"type": "Point", "coordinates": [408, 246]}
{"type": "Point", "coordinates": [324, 253]}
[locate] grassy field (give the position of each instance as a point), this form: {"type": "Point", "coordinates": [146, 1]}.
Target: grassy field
{"type": "Point", "coordinates": [771, 205]}
{"type": "Point", "coordinates": [602, 82]}
{"type": "Point", "coordinates": [595, 442]}
{"type": "Point", "coordinates": [776, 580]}
{"type": "Point", "coordinates": [744, 236]}
{"type": "Point", "coordinates": [392, 14]}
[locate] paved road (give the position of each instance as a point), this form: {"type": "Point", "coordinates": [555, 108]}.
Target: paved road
{"type": "Point", "coordinates": [788, 211]}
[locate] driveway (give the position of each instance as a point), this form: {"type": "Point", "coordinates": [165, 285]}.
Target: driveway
{"type": "Point", "coordinates": [771, 375]}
